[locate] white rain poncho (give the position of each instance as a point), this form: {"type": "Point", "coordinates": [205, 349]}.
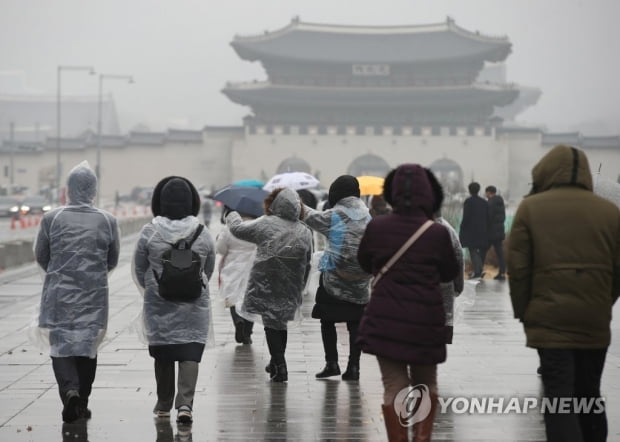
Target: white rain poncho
{"type": "Point", "coordinates": [282, 263]}
{"type": "Point", "coordinates": [235, 265]}
{"type": "Point", "coordinates": [168, 322]}
{"type": "Point", "coordinates": [77, 245]}
{"type": "Point", "coordinates": [343, 225]}
{"type": "Point", "coordinates": [452, 289]}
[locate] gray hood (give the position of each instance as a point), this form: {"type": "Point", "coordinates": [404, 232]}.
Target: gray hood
{"type": "Point", "coordinates": [81, 185]}
{"type": "Point", "coordinates": [286, 205]}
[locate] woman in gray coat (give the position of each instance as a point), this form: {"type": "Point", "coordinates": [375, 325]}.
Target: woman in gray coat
{"type": "Point", "coordinates": [280, 269]}
{"type": "Point", "coordinates": [77, 246]}
{"type": "Point", "coordinates": [176, 331]}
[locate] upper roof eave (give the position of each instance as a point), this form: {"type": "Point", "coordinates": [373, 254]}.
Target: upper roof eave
{"type": "Point", "coordinates": [297, 25]}
{"type": "Point", "coordinates": [393, 44]}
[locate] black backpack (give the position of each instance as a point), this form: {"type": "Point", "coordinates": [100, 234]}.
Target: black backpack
{"type": "Point", "coordinates": [181, 276]}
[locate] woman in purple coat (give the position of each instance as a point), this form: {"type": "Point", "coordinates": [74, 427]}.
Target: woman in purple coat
{"type": "Point", "coordinates": [404, 322]}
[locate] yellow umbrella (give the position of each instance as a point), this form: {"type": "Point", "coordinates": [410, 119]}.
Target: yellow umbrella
{"type": "Point", "coordinates": [370, 185]}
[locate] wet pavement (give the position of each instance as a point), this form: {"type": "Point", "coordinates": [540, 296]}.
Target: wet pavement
{"type": "Point", "coordinates": [235, 400]}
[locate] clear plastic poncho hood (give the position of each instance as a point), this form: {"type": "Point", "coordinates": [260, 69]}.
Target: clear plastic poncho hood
{"type": "Point", "coordinates": [282, 263]}
{"type": "Point", "coordinates": [76, 246]}
{"type": "Point", "coordinates": [81, 185]}
{"type": "Point", "coordinates": [167, 322]}
{"type": "Point", "coordinates": [344, 226]}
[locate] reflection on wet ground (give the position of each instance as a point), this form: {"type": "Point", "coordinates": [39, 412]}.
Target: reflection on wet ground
{"type": "Point", "coordinates": [235, 400]}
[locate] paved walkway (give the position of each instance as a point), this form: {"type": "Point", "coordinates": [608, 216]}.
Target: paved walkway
{"type": "Point", "coordinates": [235, 401]}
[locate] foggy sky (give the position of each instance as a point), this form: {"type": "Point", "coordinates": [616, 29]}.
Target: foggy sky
{"type": "Point", "coordinates": [180, 55]}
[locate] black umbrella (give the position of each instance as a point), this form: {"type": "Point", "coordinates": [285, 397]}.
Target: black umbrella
{"type": "Point", "coordinates": [243, 199]}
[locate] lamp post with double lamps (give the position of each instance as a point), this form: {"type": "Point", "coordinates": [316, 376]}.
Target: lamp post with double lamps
{"type": "Point", "coordinates": [102, 77]}
{"type": "Point", "coordinates": [91, 71]}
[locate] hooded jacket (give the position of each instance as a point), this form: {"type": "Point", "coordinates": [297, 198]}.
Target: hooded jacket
{"type": "Point", "coordinates": [77, 245]}
{"type": "Point", "coordinates": [282, 263]}
{"type": "Point", "coordinates": [235, 265]}
{"type": "Point", "coordinates": [564, 256]}
{"type": "Point", "coordinates": [405, 319]}
{"type": "Point", "coordinates": [167, 322]}
{"type": "Point", "coordinates": [343, 226]}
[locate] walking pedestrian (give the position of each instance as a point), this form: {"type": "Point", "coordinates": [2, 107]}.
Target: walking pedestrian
{"type": "Point", "coordinates": [237, 257]}
{"type": "Point", "coordinates": [279, 271]}
{"type": "Point", "coordinates": [176, 310]}
{"type": "Point", "coordinates": [77, 246]}
{"type": "Point", "coordinates": [343, 288]}
{"type": "Point", "coordinates": [404, 322]}
{"type": "Point", "coordinates": [495, 225]}
{"type": "Point", "coordinates": [564, 266]}
{"type": "Point", "coordinates": [473, 230]}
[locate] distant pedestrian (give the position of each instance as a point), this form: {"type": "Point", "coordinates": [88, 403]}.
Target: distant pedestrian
{"type": "Point", "coordinates": [207, 210]}
{"type": "Point", "coordinates": [495, 228]}
{"type": "Point", "coordinates": [343, 287]}
{"type": "Point", "coordinates": [279, 271]}
{"type": "Point", "coordinates": [378, 206]}
{"type": "Point", "coordinates": [473, 231]}
{"type": "Point", "coordinates": [77, 246]}
{"type": "Point", "coordinates": [237, 258]}
{"type": "Point", "coordinates": [177, 327]}
{"type": "Point", "coordinates": [564, 266]}
{"type": "Point", "coordinates": [404, 322]}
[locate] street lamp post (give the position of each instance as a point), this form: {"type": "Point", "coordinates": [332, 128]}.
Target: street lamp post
{"type": "Point", "coordinates": [91, 71]}
{"type": "Point", "coordinates": [102, 77]}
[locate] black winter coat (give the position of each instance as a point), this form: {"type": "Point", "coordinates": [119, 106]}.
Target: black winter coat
{"type": "Point", "coordinates": [497, 216]}
{"type": "Point", "coordinates": [473, 231]}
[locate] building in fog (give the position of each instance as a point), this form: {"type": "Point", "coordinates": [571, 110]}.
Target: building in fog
{"type": "Point", "coordinates": [343, 99]}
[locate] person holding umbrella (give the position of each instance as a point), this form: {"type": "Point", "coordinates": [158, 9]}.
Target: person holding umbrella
{"type": "Point", "coordinates": [279, 271]}
{"type": "Point", "coordinates": [343, 288]}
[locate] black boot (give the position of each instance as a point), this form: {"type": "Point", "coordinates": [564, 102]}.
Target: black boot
{"type": "Point", "coordinates": [270, 368]}
{"type": "Point", "coordinates": [247, 332]}
{"type": "Point", "coordinates": [84, 410]}
{"type": "Point", "coordinates": [280, 374]}
{"type": "Point", "coordinates": [71, 410]}
{"type": "Point", "coordinates": [352, 373]}
{"type": "Point", "coordinates": [331, 369]}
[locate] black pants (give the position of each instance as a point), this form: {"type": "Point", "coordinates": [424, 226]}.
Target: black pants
{"type": "Point", "coordinates": [75, 373]}
{"type": "Point", "coordinates": [477, 255]}
{"type": "Point", "coordinates": [246, 326]}
{"type": "Point", "coordinates": [330, 341]}
{"type": "Point", "coordinates": [573, 374]}
{"type": "Point", "coordinates": [276, 341]}
{"type": "Point", "coordinates": [499, 251]}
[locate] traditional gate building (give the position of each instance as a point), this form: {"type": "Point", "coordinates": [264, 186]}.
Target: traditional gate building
{"type": "Point", "coordinates": [346, 99]}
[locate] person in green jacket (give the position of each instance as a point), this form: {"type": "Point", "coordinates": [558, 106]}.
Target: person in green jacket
{"type": "Point", "coordinates": [564, 267]}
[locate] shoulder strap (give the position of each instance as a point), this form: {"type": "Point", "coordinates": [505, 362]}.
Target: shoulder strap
{"type": "Point", "coordinates": [401, 251]}
{"type": "Point", "coordinates": [196, 234]}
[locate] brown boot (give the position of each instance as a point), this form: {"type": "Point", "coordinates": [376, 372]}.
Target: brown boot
{"type": "Point", "coordinates": [395, 431]}
{"type": "Point", "coordinates": [422, 430]}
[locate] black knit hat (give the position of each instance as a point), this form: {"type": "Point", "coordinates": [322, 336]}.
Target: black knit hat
{"type": "Point", "coordinates": [342, 187]}
{"type": "Point", "coordinates": [180, 198]}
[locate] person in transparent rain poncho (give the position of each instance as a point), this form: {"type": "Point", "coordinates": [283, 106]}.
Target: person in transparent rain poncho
{"type": "Point", "coordinates": [176, 331]}
{"type": "Point", "coordinates": [77, 245]}
{"type": "Point", "coordinates": [452, 289]}
{"type": "Point", "coordinates": [279, 272]}
{"type": "Point", "coordinates": [344, 287]}
{"type": "Point", "coordinates": [237, 257]}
